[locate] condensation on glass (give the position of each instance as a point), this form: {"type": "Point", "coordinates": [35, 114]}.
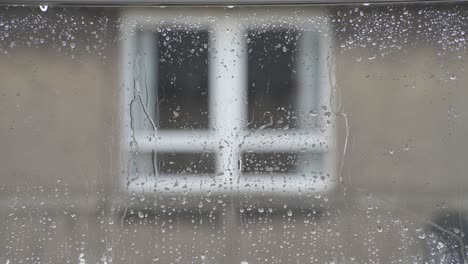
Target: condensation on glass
{"type": "Point", "coordinates": [237, 134]}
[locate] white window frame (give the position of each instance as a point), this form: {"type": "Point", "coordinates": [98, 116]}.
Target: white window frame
{"type": "Point", "coordinates": [228, 135]}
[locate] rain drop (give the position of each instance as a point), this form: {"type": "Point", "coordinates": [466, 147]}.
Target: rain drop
{"type": "Point", "coordinates": [440, 245]}
{"type": "Point", "coordinates": [43, 8]}
{"type": "Point", "coordinates": [140, 214]}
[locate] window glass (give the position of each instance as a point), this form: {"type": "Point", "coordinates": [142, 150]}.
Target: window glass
{"type": "Point", "coordinates": [183, 78]}
{"type": "Point", "coordinates": [234, 134]}
{"type": "Point", "coordinates": [271, 56]}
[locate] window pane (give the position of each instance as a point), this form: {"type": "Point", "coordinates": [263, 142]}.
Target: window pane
{"type": "Point", "coordinates": [237, 134]}
{"type": "Point", "coordinates": [270, 75]}
{"type": "Point", "coordinates": [183, 163]}
{"type": "Point", "coordinates": [183, 79]}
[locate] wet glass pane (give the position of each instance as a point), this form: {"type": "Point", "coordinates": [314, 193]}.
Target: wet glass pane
{"type": "Point", "coordinates": [185, 163]}
{"type": "Point", "coordinates": [271, 62]}
{"type": "Point", "coordinates": [183, 78]}
{"type": "Point", "coordinates": [237, 134]}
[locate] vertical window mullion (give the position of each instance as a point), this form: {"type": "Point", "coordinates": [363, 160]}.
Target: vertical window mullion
{"type": "Point", "coordinates": [307, 86]}
{"type": "Point", "coordinates": [227, 75]}
{"type": "Point", "coordinates": [150, 58]}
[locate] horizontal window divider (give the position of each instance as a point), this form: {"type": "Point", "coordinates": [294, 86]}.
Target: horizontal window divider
{"type": "Point", "coordinates": [256, 142]}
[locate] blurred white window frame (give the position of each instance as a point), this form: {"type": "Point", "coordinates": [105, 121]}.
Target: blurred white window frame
{"type": "Point", "coordinates": [228, 135]}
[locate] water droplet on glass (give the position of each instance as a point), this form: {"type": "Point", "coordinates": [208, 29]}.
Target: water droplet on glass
{"type": "Point", "coordinates": [81, 259]}
{"type": "Point", "coordinates": [313, 113]}
{"type": "Point", "coordinates": [43, 8]}
{"type": "Point", "coordinates": [440, 245]}
{"type": "Point", "coordinates": [453, 77]}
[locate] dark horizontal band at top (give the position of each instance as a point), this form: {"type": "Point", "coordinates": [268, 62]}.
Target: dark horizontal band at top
{"type": "Point", "coordinates": [213, 2]}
